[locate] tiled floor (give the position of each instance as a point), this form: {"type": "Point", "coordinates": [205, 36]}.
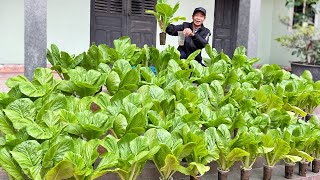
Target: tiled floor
{"type": "Point", "coordinates": [4, 76]}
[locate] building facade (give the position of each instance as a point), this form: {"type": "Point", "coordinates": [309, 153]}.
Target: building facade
{"type": "Point", "coordinates": [74, 24]}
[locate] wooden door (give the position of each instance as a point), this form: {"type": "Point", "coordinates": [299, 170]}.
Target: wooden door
{"type": "Point", "coordinates": [112, 19]}
{"type": "Point", "coordinates": [225, 25]}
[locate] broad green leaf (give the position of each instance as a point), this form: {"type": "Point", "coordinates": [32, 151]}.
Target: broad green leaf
{"type": "Point", "coordinates": [21, 113]}
{"type": "Point", "coordinates": [236, 154]}
{"type": "Point", "coordinates": [63, 170]}
{"type": "Point", "coordinates": [281, 148]}
{"type": "Point", "coordinates": [10, 165]}
{"type": "Point", "coordinates": [42, 76]}
{"type": "Point", "coordinates": [201, 168]}
{"type": "Point", "coordinates": [113, 82]}
{"type": "Point", "coordinates": [32, 90]}
{"type": "Point", "coordinates": [27, 154]}
{"type": "Point", "coordinates": [292, 158]}
{"type": "Point", "coordinates": [39, 132]}
{"type": "Point", "coordinates": [108, 162]}
{"type": "Point", "coordinates": [16, 80]}
{"type": "Point", "coordinates": [120, 124]}
{"type": "Point", "coordinates": [57, 151]}
{"type": "Point", "coordinates": [6, 126]}
{"type": "Point", "coordinates": [172, 164]}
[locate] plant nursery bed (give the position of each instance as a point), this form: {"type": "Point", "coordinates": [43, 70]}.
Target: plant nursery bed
{"type": "Point", "coordinates": [150, 173]}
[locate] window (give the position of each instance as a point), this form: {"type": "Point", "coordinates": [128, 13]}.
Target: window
{"type": "Point", "coordinates": [303, 13]}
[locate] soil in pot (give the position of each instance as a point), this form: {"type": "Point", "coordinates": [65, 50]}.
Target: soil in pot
{"type": "Point", "coordinates": [163, 38]}
{"type": "Point", "coordinates": [315, 165]}
{"type": "Point", "coordinates": [245, 174]}
{"type": "Point", "coordinates": [267, 172]}
{"type": "Point", "coordinates": [222, 175]}
{"type": "Point", "coordinates": [303, 166]}
{"type": "Point", "coordinates": [289, 168]}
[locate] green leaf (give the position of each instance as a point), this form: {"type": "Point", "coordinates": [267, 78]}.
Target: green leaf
{"type": "Point", "coordinates": [21, 113]}
{"type": "Point", "coordinates": [107, 163]}
{"type": "Point", "coordinates": [16, 80]}
{"type": "Point", "coordinates": [10, 165]}
{"type": "Point", "coordinates": [292, 158]}
{"type": "Point", "coordinates": [281, 148]}
{"type": "Point", "coordinates": [63, 170]}
{"type": "Point", "coordinates": [57, 151]}
{"type": "Point", "coordinates": [236, 154]}
{"type": "Point", "coordinates": [201, 168]}
{"type": "Point", "coordinates": [120, 124]}
{"type": "Point", "coordinates": [172, 164]}
{"type": "Point", "coordinates": [28, 154]}
{"type": "Point", "coordinates": [113, 82]}
{"type": "Point", "coordinates": [42, 76]}
{"type": "Point", "coordinates": [32, 90]}
{"type": "Point", "coordinates": [6, 126]}
{"type": "Point", "coordinates": [132, 77]}
{"type": "Point", "coordinates": [39, 132]}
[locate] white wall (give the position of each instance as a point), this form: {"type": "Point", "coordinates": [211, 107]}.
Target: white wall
{"type": "Point", "coordinates": [186, 9]}
{"type": "Point", "coordinates": [265, 31]}
{"type": "Point", "coordinates": [69, 25]}
{"type": "Point", "coordinates": [11, 31]}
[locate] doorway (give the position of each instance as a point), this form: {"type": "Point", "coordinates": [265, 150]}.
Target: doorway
{"type": "Point", "coordinates": [112, 19]}
{"type": "Point", "coordinates": [225, 25]}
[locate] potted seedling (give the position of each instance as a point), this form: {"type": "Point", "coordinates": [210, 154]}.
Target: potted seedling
{"type": "Point", "coordinates": [171, 152]}
{"type": "Point", "coordinates": [164, 14]}
{"type": "Point", "coordinates": [316, 146]}
{"type": "Point", "coordinates": [290, 162]}
{"type": "Point", "coordinates": [304, 137]}
{"type": "Point", "coordinates": [200, 156]}
{"type": "Point", "coordinates": [273, 148]}
{"type": "Point", "coordinates": [248, 139]}
{"type": "Point", "coordinates": [219, 143]}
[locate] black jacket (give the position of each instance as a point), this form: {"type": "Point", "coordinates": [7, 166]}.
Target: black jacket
{"type": "Point", "coordinates": [191, 44]}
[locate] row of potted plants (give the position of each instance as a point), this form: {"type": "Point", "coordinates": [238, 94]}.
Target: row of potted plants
{"type": "Point", "coordinates": [111, 110]}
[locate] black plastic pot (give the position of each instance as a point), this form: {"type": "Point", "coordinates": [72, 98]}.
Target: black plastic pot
{"type": "Point", "coordinates": [222, 175]}
{"type": "Point", "coordinates": [195, 178]}
{"type": "Point", "coordinates": [298, 68]}
{"type": "Point", "coordinates": [289, 168]}
{"type": "Point", "coordinates": [162, 38]}
{"type": "Point", "coordinates": [245, 174]}
{"type": "Point", "coordinates": [267, 172]}
{"type": "Point", "coordinates": [315, 165]}
{"type": "Point", "coordinates": [303, 166]}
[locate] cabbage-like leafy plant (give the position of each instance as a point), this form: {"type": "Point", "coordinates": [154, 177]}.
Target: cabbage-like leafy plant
{"type": "Point", "coordinates": [274, 148]}
{"type": "Point", "coordinates": [172, 151]}
{"type": "Point", "coordinates": [222, 148]}
{"type": "Point", "coordinates": [164, 14]}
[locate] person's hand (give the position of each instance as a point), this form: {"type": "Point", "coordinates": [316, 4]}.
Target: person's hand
{"type": "Point", "coordinates": [187, 32]}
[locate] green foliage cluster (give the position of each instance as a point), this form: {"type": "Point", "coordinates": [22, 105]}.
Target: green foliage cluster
{"type": "Point", "coordinates": [304, 40]}
{"type": "Point", "coordinates": [164, 14]}
{"type": "Point", "coordinates": [109, 113]}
